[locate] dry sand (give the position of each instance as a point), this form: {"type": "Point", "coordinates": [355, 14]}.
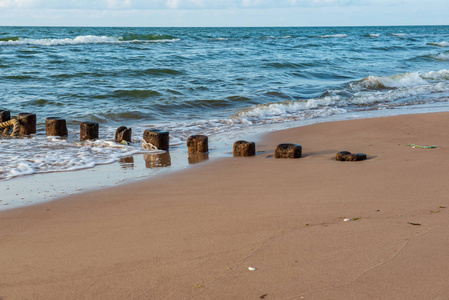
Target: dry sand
{"type": "Point", "coordinates": [193, 234]}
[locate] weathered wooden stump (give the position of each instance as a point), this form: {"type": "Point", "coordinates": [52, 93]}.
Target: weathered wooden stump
{"type": "Point", "coordinates": [157, 160]}
{"type": "Point", "coordinates": [27, 123]}
{"type": "Point", "coordinates": [288, 151]}
{"type": "Point", "coordinates": [5, 115]}
{"type": "Point", "coordinates": [88, 131]}
{"type": "Point", "coordinates": [198, 144]}
{"type": "Point", "coordinates": [342, 155]}
{"type": "Point", "coordinates": [55, 126]}
{"type": "Point", "coordinates": [123, 134]}
{"type": "Point", "coordinates": [195, 158]}
{"type": "Point", "coordinates": [158, 138]}
{"type": "Point", "coordinates": [348, 156]}
{"type": "Point", "coordinates": [244, 148]}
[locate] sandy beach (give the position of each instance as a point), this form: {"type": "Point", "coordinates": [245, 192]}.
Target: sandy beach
{"type": "Point", "coordinates": [195, 233]}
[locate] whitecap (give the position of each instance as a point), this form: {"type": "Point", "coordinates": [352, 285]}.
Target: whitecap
{"type": "Point", "coordinates": [440, 44]}
{"type": "Point", "coordinates": [342, 35]}
{"type": "Point", "coordinates": [399, 34]}
{"type": "Point", "coordinates": [441, 56]}
{"type": "Point", "coordinates": [400, 80]}
{"type": "Point", "coordinates": [79, 40]}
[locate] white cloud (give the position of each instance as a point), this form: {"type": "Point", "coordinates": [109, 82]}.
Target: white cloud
{"type": "Point", "coordinates": [171, 4]}
{"type": "Point", "coordinates": [16, 3]}
{"type": "Point", "coordinates": [193, 4]}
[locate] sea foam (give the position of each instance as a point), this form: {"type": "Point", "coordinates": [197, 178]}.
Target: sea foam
{"type": "Point", "coordinates": [372, 90]}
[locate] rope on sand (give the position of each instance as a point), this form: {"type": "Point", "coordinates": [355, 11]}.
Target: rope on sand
{"type": "Point", "coordinates": [14, 123]}
{"type": "Point", "coordinates": [149, 146]}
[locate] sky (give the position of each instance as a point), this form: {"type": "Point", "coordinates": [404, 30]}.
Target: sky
{"type": "Point", "coordinates": [219, 13]}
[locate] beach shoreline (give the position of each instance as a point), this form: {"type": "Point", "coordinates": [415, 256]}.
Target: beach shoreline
{"type": "Point", "coordinates": [39, 188]}
{"type": "Point", "coordinates": [194, 233]}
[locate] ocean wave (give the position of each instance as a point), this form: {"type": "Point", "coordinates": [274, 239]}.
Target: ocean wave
{"type": "Point", "coordinates": [135, 93]}
{"type": "Point", "coordinates": [219, 39]}
{"type": "Point", "coordinates": [278, 37]}
{"type": "Point", "coordinates": [400, 80]}
{"type": "Point", "coordinates": [440, 56]}
{"type": "Point", "coordinates": [8, 39]}
{"type": "Point", "coordinates": [372, 35]}
{"type": "Point", "coordinates": [371, 91]}
{"type": "Point", "coordinates": [82, 40]}
{"type": "Point", "coordinates": [284, 65]}
{"type": "Point", "coordinates": [440, 44]}
{"type": "Point", "coordinates": [398, 34]}
{"type": "Point", "coordinates": [340, 35]}
{"type": "Point", "coordinates": [156, 72]}
{"type": "Point", "coordinates": [146, 37]}
{"type": "Point", "coordinates": [57, 155]}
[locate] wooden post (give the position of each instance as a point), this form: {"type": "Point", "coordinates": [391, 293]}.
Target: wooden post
{"type": "Point", "coordinates": [27, 123]}
{"type": "Point", "coordinates": [288, 151]}
{"type": "Point", "coordinates": [123, 134]}
{"type": "Point", "coordinates": [341, 156]}
{"type": "Point", "coordinates": [158, 138]}
{"type": "Point", "coordinates": [88, 131]}
{"type": "Point", "coordinates": [198, 144]}
{"type": "Point", "coordinates": [244, 148]}
{"type": "Point", "coordinates": [55, 126]}
{"type": "Point", "coordinates": [157, 160]}
{"type": "Point", "coordinates": [348, 156]}
{"type": "Point", "coordinates": [5, 115]}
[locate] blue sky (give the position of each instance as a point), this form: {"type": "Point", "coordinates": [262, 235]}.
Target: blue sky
{"type": "Point", "coordinates": [223, 12]}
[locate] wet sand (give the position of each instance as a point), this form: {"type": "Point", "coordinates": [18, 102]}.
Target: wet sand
{"type": "Point", "coordinates": [195, 233]}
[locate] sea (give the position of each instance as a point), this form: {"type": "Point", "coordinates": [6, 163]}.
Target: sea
{"type": "Point", "coordinates": [203, 81]}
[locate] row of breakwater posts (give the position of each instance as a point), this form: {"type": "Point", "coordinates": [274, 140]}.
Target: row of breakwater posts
{"type": "Point", "coordinates": [153, 138]}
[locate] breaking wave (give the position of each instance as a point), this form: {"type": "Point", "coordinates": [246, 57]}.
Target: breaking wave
{"type": "Point", "coordinates": [363, 94]}
{"type": "Point", "coordinates": [398, 34]}
{"type": "Point", "coordinates": [334, 36]}
{"type": "Point", "coordinates": [440, 44]}
{"type": "Point", "coordinates": [88, 39]}
{"type": "Point", "coordinates": [441, 56]}
{"type": "Point", "coordinates": [401, 80]}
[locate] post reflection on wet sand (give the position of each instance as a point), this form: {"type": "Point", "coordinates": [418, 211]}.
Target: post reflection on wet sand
{"type": "Point", "coordinates": [195, 158]}
{"type": "Point", "coordinates": [127, 162]}
{"type": "Point", "coordinates": [157, 160]}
